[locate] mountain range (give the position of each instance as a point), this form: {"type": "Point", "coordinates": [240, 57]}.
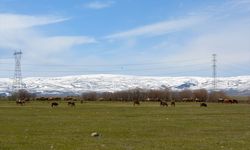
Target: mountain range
{"type": "Point", "coordinates": [75, 85]}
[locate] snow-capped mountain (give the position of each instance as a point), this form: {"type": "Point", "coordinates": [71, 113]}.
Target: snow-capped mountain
{"type": "Point", "coordinates": [69, 85]}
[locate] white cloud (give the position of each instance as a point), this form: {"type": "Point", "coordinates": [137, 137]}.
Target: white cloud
{"type": "Point", "coordinates": [56, 44]}
{"type": "Point", "coordinates": [158, 28]}
{"type": "Point", "coordinates": [226, 33]}
{"type": "Point", "coordinates": [229, 42]}
{"type": "Point", "coordinates": [16, 21]}
{"type": "Point", "coordinates": [66, 41]}
{"type": "Point", "coordinates": [17, 32]}
{"type": "Point", "coordinates": [223, 30]}
{"type": "Point", "coordinates": [99, 4]}
{"type": "Point", "coordinates": [230, 45]}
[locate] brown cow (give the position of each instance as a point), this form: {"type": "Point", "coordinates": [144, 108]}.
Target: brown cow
{"type": "Point", "coordinates": [228, 101]}
{"type": "Point", "coordinates": [136, 102]}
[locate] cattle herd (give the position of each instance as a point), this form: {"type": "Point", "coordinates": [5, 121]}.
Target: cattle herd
{"type": "Point", "coordinates": [229, 101]}
{"type": "Point", "coordinates": [54, 100]}
{"type": "Point", "coordinates": [71, 101]}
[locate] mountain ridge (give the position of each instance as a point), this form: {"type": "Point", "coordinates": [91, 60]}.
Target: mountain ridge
{"type": "Point", "coordinates": [77, 84]}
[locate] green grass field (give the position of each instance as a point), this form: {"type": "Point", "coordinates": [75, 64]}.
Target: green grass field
{"type": "Point", "coordinates": [37, 126]}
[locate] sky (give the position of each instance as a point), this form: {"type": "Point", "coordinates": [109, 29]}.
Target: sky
{"type": "Point", "coordinates": [148, 38]}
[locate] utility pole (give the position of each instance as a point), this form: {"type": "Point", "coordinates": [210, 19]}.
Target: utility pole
{"type": "Point", "coordinates": [214, 60]}
{"type": "Point", "coordinates": [17, 81]}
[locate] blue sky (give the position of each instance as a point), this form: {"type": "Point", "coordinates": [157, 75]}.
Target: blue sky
{"type": "Point", "coordinates": [152, 38]}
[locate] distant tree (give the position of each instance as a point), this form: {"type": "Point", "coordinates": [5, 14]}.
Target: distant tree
{"type": "Point", "coordinates": [21, 94]}
{"type": "Point", "coordinates": [248, 99]}
{"type": "Point", "coordinates": [107, 96]}
{"type": "Point", "coordinates": [215, 95]}
{"type": "Point", "coordinates": [24, 94]}
{"type": "Point", "coordinates": [175, 96]}
{"type": "Point", "coordinates": [144, 95]}
{"type": "Point", "coordinates": [90, 96]}
{"type": "Point", "coordinates": [167, 94]}
{"type": "Point", "coordinates": [2, 98]}
{"type": "Point", "coordinates": [153, 95]}
{"type": "Point", "coordinates": [124, 95]}
{"type": "Point", "coordinates": [186, 94]}
{"type": "Point", "coordinates": [136, 95]}
{"type": "Point", "coordinates": [201, 94]}
{"type": "Point", "coordinates": [33, 96]}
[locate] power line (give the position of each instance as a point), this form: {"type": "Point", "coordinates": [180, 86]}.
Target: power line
{"type": "Point", "coordinates": [113, 70]}
{"type": "Point", "coordinates": [106, 65]}
{"type": "Point", "coordinates": [125, 72]}
{"type": "Point", "coordinates": [238, 67]}
{"type": "Point", "coordinates": [126, 67]}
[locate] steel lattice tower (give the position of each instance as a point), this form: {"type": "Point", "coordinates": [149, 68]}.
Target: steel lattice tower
{"type": "Point", "coordinates": [214, 72]}
{"type": "Point", "coordinates": [17, 81]}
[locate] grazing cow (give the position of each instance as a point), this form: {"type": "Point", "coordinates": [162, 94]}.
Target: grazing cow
{"type": "Point", "coordinates": [173, 104]}
{"type": "Point", "coordinates": [136, 102]}
{"type": "Point", "coordinates": [235, 101]}
{"type": "Point", "coordinates": [203, 105]}
{"type": "Point", "coordinates": [228, 101]}
{"type": "Point", "coordinates": [163, 103]}
{"type": "Point", "coordinates": [71, 103]}
{"type": "Point", "coordinates": [220, 100]}
{"type": "Point", "coordinates": [54, 104]}
{"type": "Point", "coordinates": [21, 102]}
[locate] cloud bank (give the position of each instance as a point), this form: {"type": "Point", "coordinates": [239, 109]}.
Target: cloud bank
{"type": "Point", "coordinates": [18, 32]}
{"type": "Point", "coordinates": [159, 28]}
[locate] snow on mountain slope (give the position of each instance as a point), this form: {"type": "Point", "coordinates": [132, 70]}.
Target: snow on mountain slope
{"type": "Point", "coordinates": [107, 82]}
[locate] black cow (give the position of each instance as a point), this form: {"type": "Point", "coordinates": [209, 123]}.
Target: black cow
{"type": "Point", "coordinates": [203, 105]}
{"type": "Point", "coordinates": [235, 101]}
{"type": "Point", "coordinates": [163, 103]}
{"type": "Point", "coordinates": [54, 104]}
{"type": "Point", "coordinates": [71, 103]}
{"type": "Point", "coordinates": [173, 104]}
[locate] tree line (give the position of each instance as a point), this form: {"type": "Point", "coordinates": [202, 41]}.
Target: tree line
{"type": "Point", "coordinates": [200, 95]}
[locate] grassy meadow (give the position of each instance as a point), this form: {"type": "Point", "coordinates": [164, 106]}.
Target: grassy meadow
{"type": "Point", "coordinates": [37, 126]}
